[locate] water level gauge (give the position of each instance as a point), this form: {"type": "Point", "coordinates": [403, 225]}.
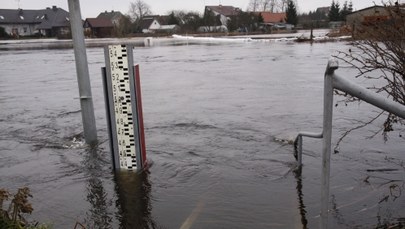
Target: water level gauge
{"type": "Point", "coordinates": [124, 108]}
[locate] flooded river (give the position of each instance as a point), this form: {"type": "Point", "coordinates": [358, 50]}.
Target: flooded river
{"type": "Point", "coordinates": [218, 122]}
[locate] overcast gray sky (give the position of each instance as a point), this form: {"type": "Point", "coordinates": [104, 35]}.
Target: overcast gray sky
{"type": "Point", "coordinates": [91, 8]}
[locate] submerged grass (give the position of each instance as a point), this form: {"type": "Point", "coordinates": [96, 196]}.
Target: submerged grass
{"type": "Point", "coordinates": [12, 217]}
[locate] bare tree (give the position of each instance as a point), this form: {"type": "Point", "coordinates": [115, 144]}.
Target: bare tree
{"type": "Point", "coordinates": [378, 53]}
{"type": "Point", "coordinates": [254, 5]}
{"type": "Point", "coordinates": [269, 5]}
{"type": "Point", "coordinates": [262, 5]}
{"type": "Point", "coordinates": [138, 9]}
{"type": "Point", "coordinates": [124, 27]}
{"type": "Point", "coordinates": [273, 5]}
{"type": "Point", "coordinates": [283, 5]}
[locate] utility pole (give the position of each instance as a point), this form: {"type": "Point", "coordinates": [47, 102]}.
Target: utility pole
{"type": "Point", "coordinates": [82, 69]}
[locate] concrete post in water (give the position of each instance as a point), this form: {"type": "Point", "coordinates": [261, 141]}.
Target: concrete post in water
{"type": "Point", "coordinates": [311, 36]}
{"type": "Point", "coordinates": [148, 42]}
{"type": "Point", "coordinates": [86, 102]}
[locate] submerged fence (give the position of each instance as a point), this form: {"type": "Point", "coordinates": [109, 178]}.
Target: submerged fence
{"type": "Point", "coordinates": [334, 81]}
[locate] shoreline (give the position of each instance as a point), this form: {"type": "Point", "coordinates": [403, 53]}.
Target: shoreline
{"type": "Point", "coordinates": [53, 43]}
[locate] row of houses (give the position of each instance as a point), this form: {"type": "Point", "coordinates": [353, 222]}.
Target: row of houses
{"type": "Point", "coordinates": [222, 14]}
{"type": "Point", "coordinates": [47, 22]}
{"type": "Point", "coordinates": [363, 17]}
{"type": "Point", "coordinates": [54, 21]}
{"type": "Point", "coordinates": [226, 14]}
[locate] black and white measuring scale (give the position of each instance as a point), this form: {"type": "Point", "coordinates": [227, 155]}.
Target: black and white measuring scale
{"type": "Point", "coordinates": [124, 108]}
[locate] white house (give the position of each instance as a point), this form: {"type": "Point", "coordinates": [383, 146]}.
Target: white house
{"type": "Point", "coordinates": [149, 25]}
{"type": "Point", "coordinates": [224, 12]}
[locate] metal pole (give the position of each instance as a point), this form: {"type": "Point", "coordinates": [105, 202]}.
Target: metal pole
{"type": "Point", "coordinates": [299, 156]}
{"type": "Point", "coordinates": [334, 81]}
{"type": "Point", "coordinates": [83, 79]}
{"type": "Point", "coordinates": [327, 139]}
{"type": "Point", "coordinates": [369, 96]}
{"type": "Point", "coordinates": [299, 143]}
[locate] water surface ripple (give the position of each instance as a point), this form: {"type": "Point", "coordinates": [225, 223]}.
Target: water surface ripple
{"type": "Point", "coordinates": [218, 121]}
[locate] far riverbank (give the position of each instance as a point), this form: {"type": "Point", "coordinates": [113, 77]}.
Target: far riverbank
{"type": "Point", "coordinates": [33, 44]}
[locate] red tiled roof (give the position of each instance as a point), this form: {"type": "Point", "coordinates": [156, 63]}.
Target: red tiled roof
{"type": "Point", "coordinates": [269, 17]}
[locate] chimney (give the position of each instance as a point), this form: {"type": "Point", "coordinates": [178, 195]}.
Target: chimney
{"type": "Point", "coordinates": [54, 8]}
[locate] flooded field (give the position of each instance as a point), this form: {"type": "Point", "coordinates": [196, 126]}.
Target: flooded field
{"type": "Point", "coordinates": [218, 122]}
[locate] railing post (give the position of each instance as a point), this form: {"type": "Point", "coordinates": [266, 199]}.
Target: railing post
{"type": "Point", "coordinates": [327, 138]}
{"type": "Point", "coordinates": [369, 96]}
{"type": "Point", "coordinates": [331, 82]}
{"type": "Point", "coordinates": [299, 148]}
{"type": "Point", "coordinates": [298, 145]}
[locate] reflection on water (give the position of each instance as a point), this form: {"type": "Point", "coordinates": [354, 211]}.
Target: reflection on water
{"type": "Point", "coordinates": [98, 215]}
{"type": "Point", "coordinates": [301, 205]}
{"type": "Point", "coordinates": [217, 119]}
{"type": "Point", "coordinates": [134, 201]}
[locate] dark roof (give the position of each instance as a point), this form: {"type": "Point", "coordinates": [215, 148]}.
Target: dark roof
{"type": "Point", "coordinates": [164, 19]}
{"type": "Point", "coordinates": [367, 8]}
{"type": "Point", "coordinates": [224, 10]}
{"type": "Point", "coordinates": [17, 16]}
{"type": "Point", "coordinates": [55, 17]}
{"type": "Point", "coordinates": [98, 23]}
{"type": "Point", "coordinates": [46, 18]}
{"type": "Point", "coordinates": [110, 15]}
{"type": "Point", "coordinates": [324, 10]}
{"type": "Point", "coordinates": [146, 23]}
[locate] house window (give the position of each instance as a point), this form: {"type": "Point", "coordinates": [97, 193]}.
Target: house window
{"type": "Point", "coordinates": [25, 29]}
{"type": "Point", "coordinates": [22, 17]}
{"type": "Point", "coordinates": [1, 17]}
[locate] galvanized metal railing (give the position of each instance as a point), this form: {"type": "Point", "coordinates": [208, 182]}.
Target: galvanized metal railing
{"type": "Point", "coordinates": [333, 81]}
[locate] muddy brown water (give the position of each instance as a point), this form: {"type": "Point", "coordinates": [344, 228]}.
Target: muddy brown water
{"type": "Point", "coordinates": [218, 120]}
